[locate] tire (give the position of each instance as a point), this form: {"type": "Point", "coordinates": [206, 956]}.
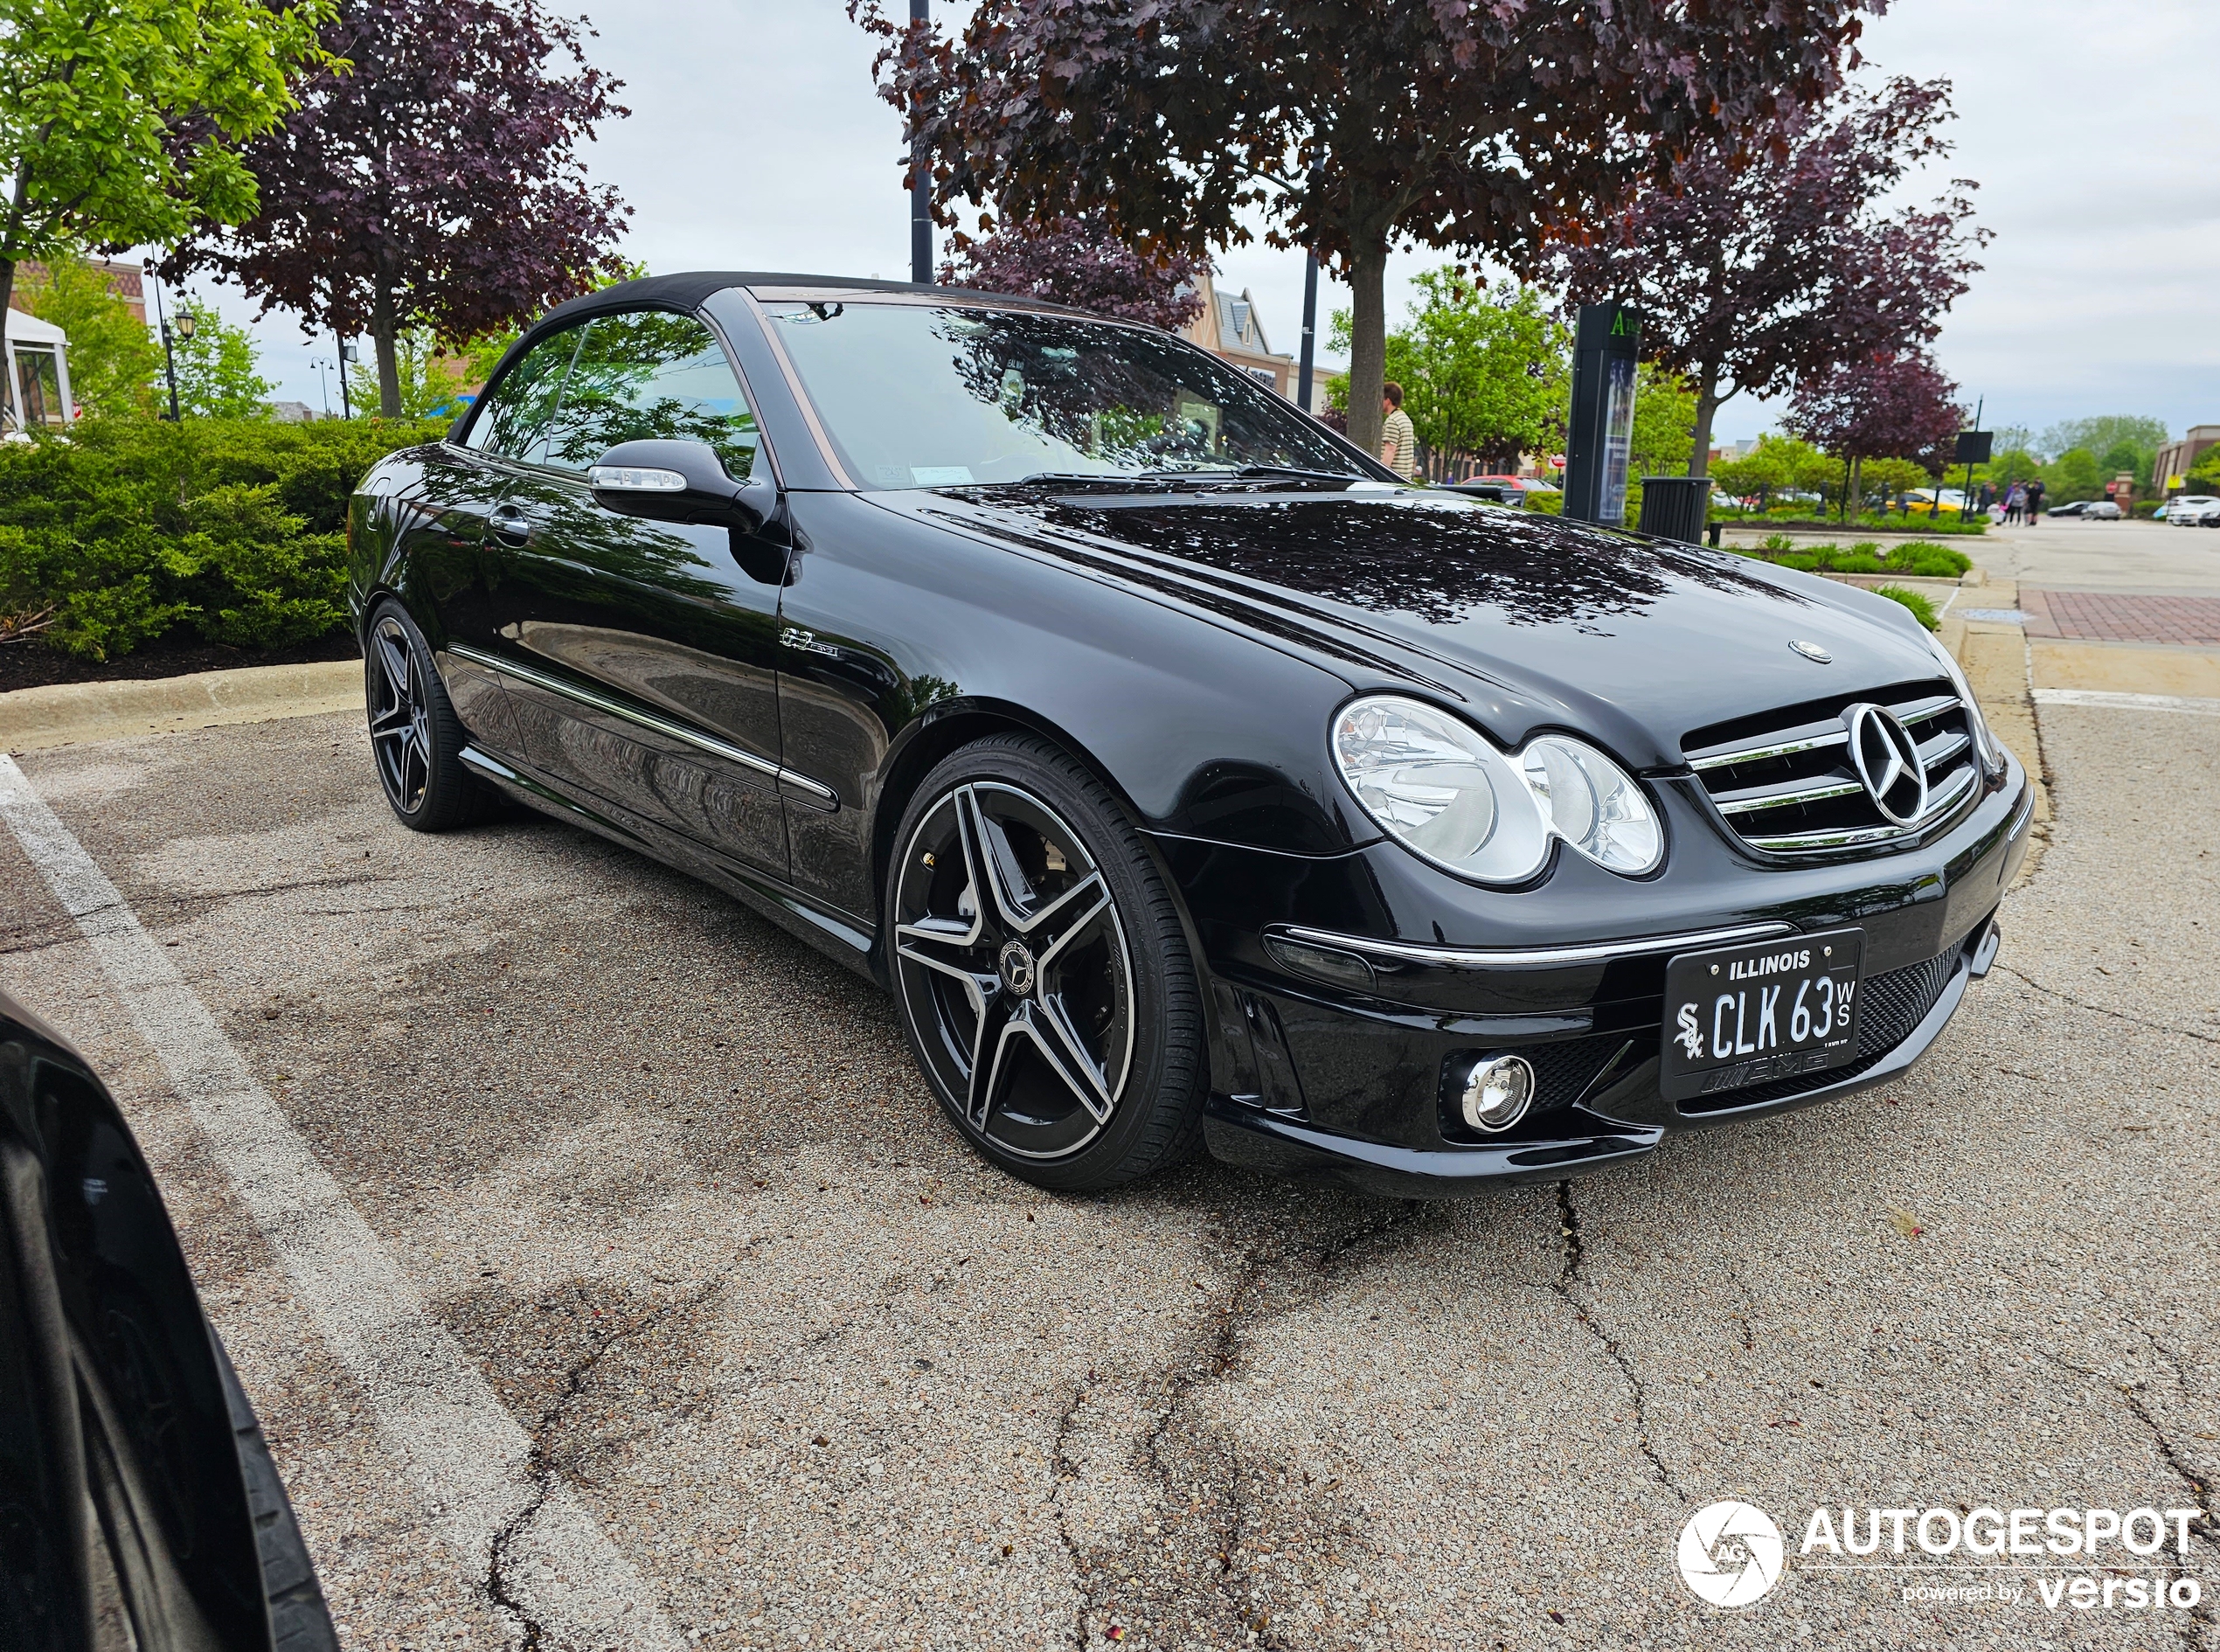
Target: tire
{"type": "Point", "coordinates": [1057, 1013]}
{"type": "Point", "coordinates": [300, 1621]}
{"type": "Point", "coordinates": [416, 740]}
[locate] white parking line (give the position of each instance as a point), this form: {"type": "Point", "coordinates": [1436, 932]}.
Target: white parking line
{"type": "Point", "coordinates": [470, 1461]}
{"type": "Point", "coordinates": [2105, 697]}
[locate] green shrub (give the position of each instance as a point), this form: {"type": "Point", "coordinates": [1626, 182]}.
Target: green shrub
{"type": "Point", "coordinates": [126, 528]}
{"type": "Point", "coordinates": [1922, 610]}
{"type": "Point", "coordinates": [1918, 558]}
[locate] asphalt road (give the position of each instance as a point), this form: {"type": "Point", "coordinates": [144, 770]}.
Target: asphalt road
{"type": "Point", "coordinates": [2064, 553]}
{"type": "Point", "coordinates": [726, 1329]}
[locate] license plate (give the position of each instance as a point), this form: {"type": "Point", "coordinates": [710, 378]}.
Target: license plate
{"type": "Point", "coordinates": [1756, 1013]}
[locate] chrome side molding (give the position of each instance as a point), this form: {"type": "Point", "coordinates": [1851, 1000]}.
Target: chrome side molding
{"type": "Point", "coordinates": [1403, 951]}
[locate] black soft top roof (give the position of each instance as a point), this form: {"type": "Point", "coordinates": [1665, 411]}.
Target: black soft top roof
{"type": "Point", "coordinates": [686, 292]}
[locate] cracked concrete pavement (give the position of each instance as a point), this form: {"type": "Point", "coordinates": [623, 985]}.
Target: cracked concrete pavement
{"type": "Point", "coordinates": [823, 1378]}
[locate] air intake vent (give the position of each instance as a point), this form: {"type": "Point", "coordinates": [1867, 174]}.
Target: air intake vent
{"type": "Point", "coordinates": [1832, 774]}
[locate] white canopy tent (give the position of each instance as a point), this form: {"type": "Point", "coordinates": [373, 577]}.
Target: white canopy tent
{"type": "Point", "coordinates": [37, 388]}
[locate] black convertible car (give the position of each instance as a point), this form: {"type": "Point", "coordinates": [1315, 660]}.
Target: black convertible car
{"type": "Point", "coordinates": [1179, 771]}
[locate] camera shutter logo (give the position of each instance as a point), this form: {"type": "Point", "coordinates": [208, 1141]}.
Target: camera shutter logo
{"type": "Point", "coordinates": [1887, 761]}
{"type": "Point", "coordinates": [1731, 1553]}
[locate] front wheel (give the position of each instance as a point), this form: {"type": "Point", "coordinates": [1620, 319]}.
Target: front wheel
{"type": "Point", "coordinates": [1044, 978]}
{"type": "Point", "coordinates": [415, 737]}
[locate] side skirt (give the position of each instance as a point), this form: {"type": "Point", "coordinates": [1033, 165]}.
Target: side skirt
{"type": "Point", "coordinates": [836, 935]}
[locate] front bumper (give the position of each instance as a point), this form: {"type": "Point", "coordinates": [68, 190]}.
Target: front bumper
{"type": "Point", "coordinates": [1335, 1063]}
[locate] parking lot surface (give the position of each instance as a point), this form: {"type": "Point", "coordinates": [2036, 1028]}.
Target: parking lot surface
{"type": "Point", "coordinates": [605, 1275]}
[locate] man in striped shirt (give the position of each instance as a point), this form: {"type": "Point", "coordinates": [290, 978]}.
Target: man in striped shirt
{"type": "Point", "coordinates": [1399, 442]}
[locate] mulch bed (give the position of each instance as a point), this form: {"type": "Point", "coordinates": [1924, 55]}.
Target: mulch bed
{"type": "Point", "coordinates": [28, 664]}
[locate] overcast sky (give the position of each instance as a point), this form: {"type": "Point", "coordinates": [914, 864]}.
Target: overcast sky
{"type": "Point", "coordinates": [756, 142]}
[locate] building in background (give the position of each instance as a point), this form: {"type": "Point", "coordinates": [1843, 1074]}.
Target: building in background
{"type": "Point", "coordinates": [1229, 329]}
{"type": "Point", "coordinates": [34, 390]}
{"type": "Point", "coordinates": [2176, 458]}
{"type": "Point", "coordinates": [123, 279]}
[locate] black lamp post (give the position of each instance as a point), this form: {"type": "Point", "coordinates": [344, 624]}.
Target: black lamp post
{"type": "Point", "coordinates": [168, 350]}
{"type": "Point", "coordinates": [346, 355]}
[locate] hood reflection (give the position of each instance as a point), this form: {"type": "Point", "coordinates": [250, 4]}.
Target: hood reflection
{"type": "Point", "coordinates": [1435, 560]}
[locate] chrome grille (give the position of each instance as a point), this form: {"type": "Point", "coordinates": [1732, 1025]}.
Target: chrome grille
{"type": "Point", "coordinates": [1785, 782]}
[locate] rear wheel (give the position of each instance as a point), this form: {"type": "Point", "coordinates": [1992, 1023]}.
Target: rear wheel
{"type": "Point", "coordinates": [1044, 978]}
{"type": "Point", "coordinates": [416, 740]}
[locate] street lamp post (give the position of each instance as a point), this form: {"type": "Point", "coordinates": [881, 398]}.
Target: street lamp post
{"type": "Point", "coordinates": [168, 350]}
{"type": "Point", "coordinates": [346, 355]}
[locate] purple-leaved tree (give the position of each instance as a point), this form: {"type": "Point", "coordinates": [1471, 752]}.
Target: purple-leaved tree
{"type": "Point", "coordinates": [435, 181]}
{"type": "Point", "coordinates": [1347, 125]}
{"type": "Point", "coordinates": [1080, 262]}
{"type": "Point", "coordinates": [1881, 406]}
{"type": "Point", "coordinates": [1758, 274]}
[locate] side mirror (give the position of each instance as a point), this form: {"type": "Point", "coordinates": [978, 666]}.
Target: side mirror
{"type": "Point", "coordinates": [670, 481]}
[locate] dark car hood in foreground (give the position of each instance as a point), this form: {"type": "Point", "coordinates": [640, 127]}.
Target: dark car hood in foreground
{"type": "Point", "coordinates": [1534, 621]}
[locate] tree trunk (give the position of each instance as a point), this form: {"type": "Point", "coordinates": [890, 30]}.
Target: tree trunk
{"type": "Point", "coordinates": [1707, 404]}
{"type": "Point", "coordinates": [385, 331]}
{"type": "Point", "coordinates": [1857, 485]}
{"type": "Point", "coordinates": [7, 283]}
{"type": "Point", "coordinates": [1367, 344]}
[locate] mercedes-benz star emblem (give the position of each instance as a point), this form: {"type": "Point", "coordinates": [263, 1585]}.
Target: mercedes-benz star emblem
{"type": "Point", "coordinates": [1017, 968]}
{"type": "Point", "coordinates": [1887, 761]}
{"type": "Point", "coordinates": [1811, 651]}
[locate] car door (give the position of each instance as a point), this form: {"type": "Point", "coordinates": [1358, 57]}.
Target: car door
{"type": "Point", "coordinates": [642, 655]}
{"type": "Point", "coordinates": [445, 522]}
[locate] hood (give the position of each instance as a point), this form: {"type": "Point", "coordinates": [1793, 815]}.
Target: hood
{"type": "Point", "coordinates": [1532, 621]}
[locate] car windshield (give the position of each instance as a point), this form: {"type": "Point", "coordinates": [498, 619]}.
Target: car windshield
{"type": "Point", "coordinates": [915, 396]}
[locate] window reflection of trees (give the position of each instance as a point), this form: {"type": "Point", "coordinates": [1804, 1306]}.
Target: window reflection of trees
{"type": "Point", "coordinates": [1126, 399]}
{"type": "Point", "coordinates": [649, 375]}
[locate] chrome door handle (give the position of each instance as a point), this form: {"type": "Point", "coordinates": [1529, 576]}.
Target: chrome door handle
{"type": "Point", "coordinates": [509, 523]}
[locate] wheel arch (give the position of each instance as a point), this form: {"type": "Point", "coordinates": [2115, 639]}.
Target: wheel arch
{"type": "Point", "coordinates": [946, 729]}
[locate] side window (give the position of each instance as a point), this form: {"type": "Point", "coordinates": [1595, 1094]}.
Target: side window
{"type": "Point", "coordinates": [515, 417]}
{"type": "Point", "coordinates": [650, 373]}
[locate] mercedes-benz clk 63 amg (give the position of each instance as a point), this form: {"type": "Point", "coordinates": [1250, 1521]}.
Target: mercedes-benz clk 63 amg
{"type": "Point", "coordinates": [1181, 772]}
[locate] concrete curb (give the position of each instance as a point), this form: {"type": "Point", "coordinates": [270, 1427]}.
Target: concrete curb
{"type": "Point", "coordinates": [77, 714]}
{"type": "Point", "coordinates": [1994, 654]}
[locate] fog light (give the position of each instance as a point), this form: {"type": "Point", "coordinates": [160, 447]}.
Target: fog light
{"type": "Point", "coordinates": [1498, 1091]}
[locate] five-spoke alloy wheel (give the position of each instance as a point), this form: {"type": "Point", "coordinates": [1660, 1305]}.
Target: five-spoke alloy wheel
{"type": "Point", "coordinates": [415, 737]}
{"type": "Point", "coordinates": [1043, 978]}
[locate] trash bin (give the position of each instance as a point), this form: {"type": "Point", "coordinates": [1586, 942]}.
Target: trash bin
{"type": "Point", "coordinates": [1674, 507]}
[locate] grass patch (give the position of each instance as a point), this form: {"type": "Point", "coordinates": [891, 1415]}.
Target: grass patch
{"type": "Point", "coordinates": [1916, 558]}
{"type": "Point", "coordinates": [1922, 610]}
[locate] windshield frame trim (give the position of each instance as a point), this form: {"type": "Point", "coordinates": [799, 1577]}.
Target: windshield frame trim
{"type": "Point", "coordinates": [800, 394]}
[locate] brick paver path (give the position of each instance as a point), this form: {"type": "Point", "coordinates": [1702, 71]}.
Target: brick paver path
{"type": "Point", "coordinates": [2100, 616]}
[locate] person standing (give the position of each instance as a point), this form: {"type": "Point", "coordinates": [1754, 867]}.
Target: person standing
{"type": "Point", "coordinates": [2034, 502]}
{"type": "Point", "coordinates": [1398, 440]}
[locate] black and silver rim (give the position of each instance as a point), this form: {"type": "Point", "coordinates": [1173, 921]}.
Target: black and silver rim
{"type": "Point", "coordinates": [1014, 970]}
{"type": "Point", "coordinates": [399, 727]}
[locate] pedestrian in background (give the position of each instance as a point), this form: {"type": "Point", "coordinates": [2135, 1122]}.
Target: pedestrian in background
{"type": "Point", "coordinates": [2015, 503]}
{"type": "Point", "coordinates": [1399, 442]}
{"type": "Point", "coordinates": [2034, 502]}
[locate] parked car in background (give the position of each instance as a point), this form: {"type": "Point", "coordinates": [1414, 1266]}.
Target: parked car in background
{"type": "Point", "coordinates": [2194, 511]}
{"type": "Point", "coordinates": [2101, 510]}
{"type": "Point", "coordinates": [2074, 508]}
{"type": "Point", "coordinates": [138, 1504]}
{"type": "Point", "coordinates": [1508, 490]}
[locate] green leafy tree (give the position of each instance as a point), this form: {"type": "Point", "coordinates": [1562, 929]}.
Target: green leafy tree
{"type": "Point", "coordinates": [2008, 466]}
{"type": "Point", "coordinates": [2100, 436]}
{"type": "Point", "coordinates": [120, 120]}
{"type": "Point", "coordinates": [1484, 370]}
{"type": "Point", "coordinates": [2204, 476]}
{"type": "Point", "coordinates": [113, 358]}
{"type": "Point", "coordinates": [1886, 478]}
{"type": "Point", "coordinates": [2073, 475]}
{"type": "Point", "coordinates": [216, 367]}
{"type": "Point", "coordinates": [1664, 422]}
{"type": "Point", "coordinates": [1776, 465]}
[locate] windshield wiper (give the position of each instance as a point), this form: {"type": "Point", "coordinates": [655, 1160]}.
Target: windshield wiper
{"type": "Point", "coordinates": [1211, 477]}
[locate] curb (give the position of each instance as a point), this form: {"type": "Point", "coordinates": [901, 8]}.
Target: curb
{"type": "Point", "coordinates": [73, 713]}
{"type": "Point", "coordinates": [1994, 654]}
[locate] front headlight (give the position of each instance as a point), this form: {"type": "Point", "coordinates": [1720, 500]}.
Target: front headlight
{"type": "Point", "coordinates": [1436, 785]}
{"type": "Point", "coordinates": [1992, 749]}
